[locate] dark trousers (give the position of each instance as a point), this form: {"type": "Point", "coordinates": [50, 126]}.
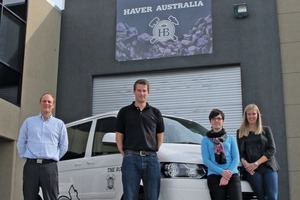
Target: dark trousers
{"type": "Point", "coordinates": [135, 168]}
{"type": "Point", "coordinates": [231, 191]}
{"type": "Point", "coordinates": [36, 175]}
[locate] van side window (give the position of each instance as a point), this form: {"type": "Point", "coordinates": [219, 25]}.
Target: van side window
{"type": "Point", "coordinates": [78, 136]}
{"type": "Point", "coordinates": [105, 125]}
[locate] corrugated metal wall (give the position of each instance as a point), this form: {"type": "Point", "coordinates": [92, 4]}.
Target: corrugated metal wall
{"type": "Point", "coordinates": [191, 94]}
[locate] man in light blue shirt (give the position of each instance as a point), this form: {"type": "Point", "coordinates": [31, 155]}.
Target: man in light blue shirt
{"type": "Point", "coordinates": [43, 140]}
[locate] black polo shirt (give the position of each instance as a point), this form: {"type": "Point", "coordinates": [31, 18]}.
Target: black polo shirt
{"type": "Point", "coordinates": [140, 128]}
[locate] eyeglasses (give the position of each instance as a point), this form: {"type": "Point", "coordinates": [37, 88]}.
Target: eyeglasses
{"type": "Point", "coordinates": [217, 118]}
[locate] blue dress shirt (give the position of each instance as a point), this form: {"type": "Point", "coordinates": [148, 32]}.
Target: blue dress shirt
{"type": "Point", "coordinates": [43, 139]}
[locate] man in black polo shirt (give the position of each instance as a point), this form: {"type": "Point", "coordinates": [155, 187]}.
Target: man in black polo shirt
{"type": "Point", "coordinates": [139, 134]}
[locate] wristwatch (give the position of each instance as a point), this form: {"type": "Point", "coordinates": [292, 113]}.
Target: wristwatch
{"type": "Point", "coordinates": [256, 163]}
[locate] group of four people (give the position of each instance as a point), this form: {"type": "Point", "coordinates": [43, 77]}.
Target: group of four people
{"type": "Point", "coordinates": [139, 134]}
{"type": "Point", "coordinates": [140, 131]}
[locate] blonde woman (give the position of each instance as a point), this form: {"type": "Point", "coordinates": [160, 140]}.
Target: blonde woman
{"type": "Point", "coordinates": [257, 152]}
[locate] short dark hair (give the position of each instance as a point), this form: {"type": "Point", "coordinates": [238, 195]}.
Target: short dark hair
{"type": "Point", "coordinates": [143, 82]}
{"type": "Point", "coordinates": [214, 113]}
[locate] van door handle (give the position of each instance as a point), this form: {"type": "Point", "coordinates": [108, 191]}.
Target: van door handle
{"type": "Point", "coordinates": [91, 162]}
{"type": "Point", "coordinates": [78, 164]}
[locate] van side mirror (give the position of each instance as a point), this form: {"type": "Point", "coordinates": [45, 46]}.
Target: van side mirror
{"type": "Point", "coordinates": [109, 138]}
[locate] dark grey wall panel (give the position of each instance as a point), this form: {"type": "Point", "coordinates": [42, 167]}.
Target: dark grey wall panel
{"type": "Point", "coordinates": [88, 49]}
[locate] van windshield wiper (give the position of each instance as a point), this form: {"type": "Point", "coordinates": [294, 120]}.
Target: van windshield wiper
{"type": "Point", "coordinates": [187, 142]}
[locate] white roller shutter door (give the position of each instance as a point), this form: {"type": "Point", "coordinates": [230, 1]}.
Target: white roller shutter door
{"type": "Point", "coordinates": [191, 94]}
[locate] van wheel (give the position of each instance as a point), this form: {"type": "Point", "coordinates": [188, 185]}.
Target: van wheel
{"type": "Point", "coordinates": [141, 194]}
{"type": "Point", "coordinates": [63, 198]}
{"type": "Point", "coordinates": [141, 197]}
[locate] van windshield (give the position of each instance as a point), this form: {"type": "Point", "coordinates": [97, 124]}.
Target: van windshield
{"type": "Point", "coordinates": [178, 130]}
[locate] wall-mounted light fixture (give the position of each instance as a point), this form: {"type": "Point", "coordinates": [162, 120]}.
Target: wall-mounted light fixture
{"type": "Point", "coordinates": [240, 10]}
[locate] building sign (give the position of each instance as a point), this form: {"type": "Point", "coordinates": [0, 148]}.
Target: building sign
{"type": "Point", "coordinates": [149, 29]}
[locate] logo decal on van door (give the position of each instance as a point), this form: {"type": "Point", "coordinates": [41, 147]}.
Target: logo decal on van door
{"type": "Point", "coordinates": [110, 182]}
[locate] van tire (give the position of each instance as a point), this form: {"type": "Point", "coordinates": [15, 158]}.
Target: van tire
{"type": "Point", "coordinates": [141, 194]}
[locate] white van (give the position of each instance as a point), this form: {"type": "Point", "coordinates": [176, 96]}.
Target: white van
{"type": "Point", "coordinates": [91, 169]}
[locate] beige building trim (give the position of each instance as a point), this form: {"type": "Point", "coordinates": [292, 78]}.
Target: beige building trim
{"type": "Point", "coordinates": [289, 31]}
{"type": "Point", "coordinates": [9, 118]}
{"type": "Point", "coordinates": [39, 76]}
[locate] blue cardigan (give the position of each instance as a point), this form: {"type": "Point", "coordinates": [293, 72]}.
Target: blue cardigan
{"type": "Point", "coordinates": [231, 153]}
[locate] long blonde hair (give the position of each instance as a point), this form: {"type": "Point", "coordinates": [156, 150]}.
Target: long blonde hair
{"type": "Point", "coordinates": [245, 129]}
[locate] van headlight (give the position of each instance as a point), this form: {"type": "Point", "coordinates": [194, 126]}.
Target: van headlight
{"type": "Point", "coordinates": [180, 170]}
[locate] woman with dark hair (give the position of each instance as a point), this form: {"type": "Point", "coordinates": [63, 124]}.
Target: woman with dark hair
{"type": "Point", "coordinates": [257, 150]}
{"type": "Point", "coordinates": [221, 156]}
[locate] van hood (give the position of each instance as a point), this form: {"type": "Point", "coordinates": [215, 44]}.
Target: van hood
{"type": "Point", "coordinates": [181, 153]}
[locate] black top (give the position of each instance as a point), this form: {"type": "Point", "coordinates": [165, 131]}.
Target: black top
{"type": "Point", "coordinates": [253, 147]}
{"type": "Point", "coordinates": [140, 128]}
